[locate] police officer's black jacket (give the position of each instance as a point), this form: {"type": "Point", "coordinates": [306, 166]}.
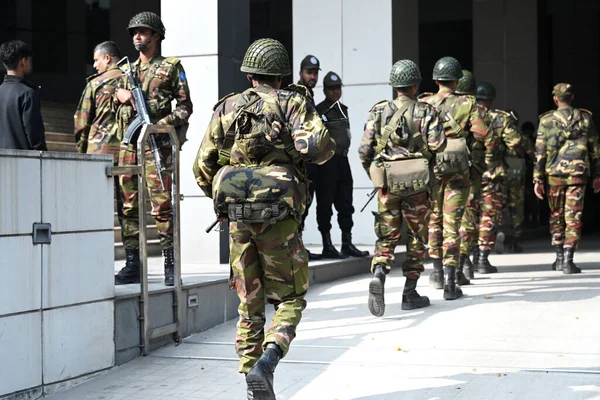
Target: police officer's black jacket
{"type": "Point", "coordinates": [21, 124]}
{"type": "Point", "coordinates": [335, 117]}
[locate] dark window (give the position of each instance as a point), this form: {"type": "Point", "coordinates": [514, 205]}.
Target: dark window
{"type": "Point", "coordinates": [49, 44]}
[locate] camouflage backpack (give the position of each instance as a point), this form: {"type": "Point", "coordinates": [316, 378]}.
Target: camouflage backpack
{"type": "Point", "coordinates": [571, 156]}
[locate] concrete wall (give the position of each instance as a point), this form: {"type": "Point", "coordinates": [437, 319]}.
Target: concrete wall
{"type": "Point", "coordinates": [56, 300]}
{"type": "Point", "coordinates": [354, 39]}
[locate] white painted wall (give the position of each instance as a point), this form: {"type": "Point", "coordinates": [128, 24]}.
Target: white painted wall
{"type": "Point", "coordinates": [193, 36]}
{"type": "Point", "coordinates": [361, 53]}
{"type": "Point", "coordinates": [56, 300]}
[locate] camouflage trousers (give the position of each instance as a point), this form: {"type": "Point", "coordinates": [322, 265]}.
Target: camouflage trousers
{"type": "Point", "coordinates": [469, 227]}
{"type": "Point", "coordinates": [492, 199]}
{"type": "Point", "coordinates": [514, 197]}
{"type": "Point", "coordinates": [268, 262]}
{"type": "Point", "coordinates": [566, 213]}
{"type": "Point", "coordinates": [448, 206]}
{"type": "Point", "coordinates": [162, 208]}
{"type": "Point", "coordinates": [388, 228]}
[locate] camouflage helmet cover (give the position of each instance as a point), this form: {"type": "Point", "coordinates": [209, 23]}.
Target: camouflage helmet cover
{"type": "Point", "coordinates": [266, 57]}
{"type": "Point", "coordinates": [466, 84]}
{"type": "Point", "coordinates": [147, 19]}
{"type": "Point", "coordinates": [405, 73]}
{"type": "Point", "coordinates": [447, 69]}
{"type": "Point", "coordinates": [486, 91]}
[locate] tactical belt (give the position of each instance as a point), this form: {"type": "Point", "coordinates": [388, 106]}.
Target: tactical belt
{"type": "Point", "coordinates": [258, 212]}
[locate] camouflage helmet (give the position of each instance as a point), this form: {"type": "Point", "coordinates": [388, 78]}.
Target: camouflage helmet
{"type": "Point", "coordinates": [486, 91]}
{"type": "Point", "coordinates": [447, 69]}
{"type": "Point", "coordinates": [405, 73]}
{"type": "Point", "coordinates": [466, 84]}
{"type": "Point", "coordinates": [146, 19]}
{"type": "Point", "coordinates": [266, 57]}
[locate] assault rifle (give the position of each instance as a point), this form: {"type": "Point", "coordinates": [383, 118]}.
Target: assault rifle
{"type": "Point", "coordinates": [142, 118]}
{"type": "Point", "coordinates": [371, 196]}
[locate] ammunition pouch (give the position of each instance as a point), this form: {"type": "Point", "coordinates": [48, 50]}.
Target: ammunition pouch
{"type": "Point", "coordinates": [256, 213]}
{"type": "Point", "coordinates": [515, 168]}
{"type": "Point", "coordinates": [454, 159]}
{"type": "Point", "coordinates": [401, 178]}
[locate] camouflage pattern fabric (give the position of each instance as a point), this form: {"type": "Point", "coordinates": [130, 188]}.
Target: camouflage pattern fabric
{"type": "Point", "coordinates": [451, 194]}
{"type": "Point", "coordinates": [388, 219]}
{"type": "Point", "coordinates": [424, 116]}
{"type": "Point", "coordinates": [388, 228]}
{"type": "Point", "coordinates": [96, 130]}
{"type": "Point", "coordinates": [268, 261]}
{"type": "Point", "coordinates": [469, 227]}
{"type": "Point", "coordinates": [566, 214]}
{"type": "Point", "coordinates": [492, 198]}
{"type": "Point", "coordinates": [567, 150]}
{"type": "Point", "coordinates": [504, 140]}
{"type": "Point", "coordinates": [162, 80]}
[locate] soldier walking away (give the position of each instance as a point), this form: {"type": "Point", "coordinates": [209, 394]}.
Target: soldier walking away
{"type": "Point", "coordinates": [250, 163]}
{"type": "Point", "coordinates": [309, 76]}
{"type": "Point", "coordinates": [567, 153]}
{"type": "Point", "coordinates": [469, 227]}
{"type": "Point", "coordinates": [463, 123]}
{"type": "Point", "coordinates": [21, 124]}
{"type": "Point", "coordinates": [333, 180]}
{"type": "Point", "coordinates": [395, 151]}
{"type": "Point", "coordinates": [162, 80]}
{"type": "Point", "coordinates": [96, 130]}
{"type": "Point", "coordinates": [504, 136]}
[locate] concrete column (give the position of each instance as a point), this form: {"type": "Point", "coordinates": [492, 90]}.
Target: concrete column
{"type": "Point", "coordinates": [505, 52]}
{"type": "Point", "coordinates": [354, 39]}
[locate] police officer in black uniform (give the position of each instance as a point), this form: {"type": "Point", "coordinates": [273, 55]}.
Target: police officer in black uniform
{"type": "Point", "coordinates": [333, 180]}
{"type": "Point", "coordinates": [309, 76]}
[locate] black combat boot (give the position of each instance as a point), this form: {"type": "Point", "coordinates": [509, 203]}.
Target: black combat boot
{"type": "Point", "coordinates": [412, 300]}
{"type": "Point", "coordinates": [376, 291]}
{"type": "Point", "coordinates": [469, 268]}
{"type": "Point", "coordinates": [483, 265]}
{"type": "Point", "coordinates": [569, 266]}
{"type": "Point", "coordinates": [451, 289]}
{"type": "Point", "coordinates": [260, 378]}
{"type": "Point", "coordinates": [329, 250]}
{"type": "Point", "coordinates": [169, 267]}
{"type": "Point", "coordinates": [508, 244]}
{"type": "Point", "coordinates": [461, 279]}
{"type": "Point", "coordinates": [436, 278]}
{"type": "Point", "coordinates": [557, 265]}
{"type": "Point", "coordinates": [516, 248]}
{"type": "Point", "coordinates": [313, 256]}
{"type": "Point", "coordinates": [131, 272]}
{"type": "Point", "coordinates": [500, 237]}
{"type": "Point", "coordinates": [348, 249]}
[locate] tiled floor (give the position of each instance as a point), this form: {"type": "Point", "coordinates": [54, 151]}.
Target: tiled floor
{"type": "Point", "coordinates": [525, 333]}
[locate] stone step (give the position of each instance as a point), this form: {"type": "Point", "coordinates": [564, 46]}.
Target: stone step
{"type": "Point", "coordinates": [61, 146]}
{"type": "Point", "coordinates": [151, 231]}
{"type": "Point", "coordinates": [61, 137]}
{"type": "Point", "coordinates": [153, 246]}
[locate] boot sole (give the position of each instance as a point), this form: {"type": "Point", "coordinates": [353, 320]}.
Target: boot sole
{"type": "Point", "coordinates": [126, 281]}
{"type": "Point", "coordinates": [570, 272]}
{"type": "Point", "coordinates": [259, 387]}
{"type": "Point", "coordinates": [412, 306]}
{"type": "Point", "coordinates": [453, 295]}
{"type": "Point", "coordinates": [376, 299]}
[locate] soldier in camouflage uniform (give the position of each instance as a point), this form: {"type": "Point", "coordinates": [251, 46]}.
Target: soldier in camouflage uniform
{"type": "Point", "coordinates": [504, 135]}
{"type": "Point", "coordinates": [250, 163]}
{"type": "Point", "coordinates": [463, 123]}
{"type": "Point", "coordinates": [469, 226]}
{"type": "Point", "coordinates": [162, 80]}
{"type": "Point", "coordinates": [514, 189]}
{"type": "Point", "coordinates": [96, 130]}
{"type": "Point", "coordinates": [390, 137]}
{"type": "Point", "coordinates": [567, 153]}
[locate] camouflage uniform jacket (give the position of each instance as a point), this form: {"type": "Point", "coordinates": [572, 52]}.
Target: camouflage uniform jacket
{"type": "Point", "coordinates": [95, 119]}
{"type": "Point", "coordinates": [426, 117]}
{"type": "Point", "coordinates": [566, 149]}
{"type": "Point", "coordinates": [311, 138]}
{"type": "Point", "coordinates": [505, 141]}
{"type": "Point", "coordinates": [465, 111]}
{"type": "Point", "coordinates": [162, 80]}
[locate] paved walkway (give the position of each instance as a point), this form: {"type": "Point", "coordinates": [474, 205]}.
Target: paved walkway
{"type": "Point", "coordinates": [524, 333]}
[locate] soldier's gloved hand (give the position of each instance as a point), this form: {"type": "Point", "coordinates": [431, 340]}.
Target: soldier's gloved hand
{"type": "Point", "coordinates": [125, 96]}
{"type": "Point", "coordinates": [596, 184]}
{"type": "Point", "coordinates": [539, 190]}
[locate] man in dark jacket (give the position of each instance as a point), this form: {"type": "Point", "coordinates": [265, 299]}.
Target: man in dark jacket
{"type": "Point", "coordinates": [21, 125]}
